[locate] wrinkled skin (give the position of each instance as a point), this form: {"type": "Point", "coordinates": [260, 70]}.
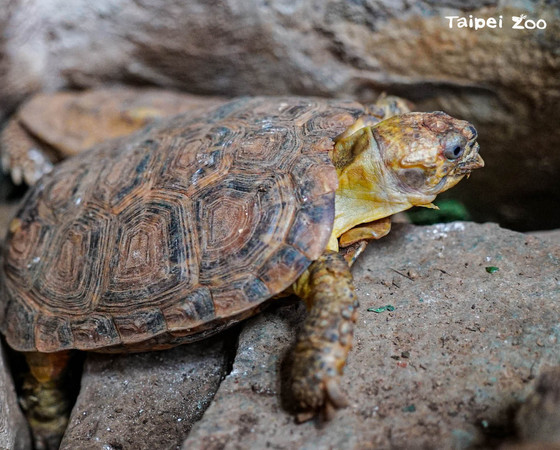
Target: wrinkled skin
{"type": "Point", "coordinates": [401, 162]}
{"type": "Point", "coordinates": [428, 153]}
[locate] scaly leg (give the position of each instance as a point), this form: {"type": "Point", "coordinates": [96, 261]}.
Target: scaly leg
{"type": "Point", "coordinates": [326, 338]}
{"type": "Point", "coordinates": [45, 403]}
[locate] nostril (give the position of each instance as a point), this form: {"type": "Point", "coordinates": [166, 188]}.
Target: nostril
{"type": "Point", "coordinates": [457, 151]}
{"type": "Point", "coordinates": [472, 133]}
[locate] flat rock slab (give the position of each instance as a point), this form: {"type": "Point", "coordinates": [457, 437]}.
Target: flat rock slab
{"type": "Point", "coordinates": [447, 368]}
{"type": "Point", "coordinates": [146, 400]}
{"type": "Point", "coordinates": [14, 432]}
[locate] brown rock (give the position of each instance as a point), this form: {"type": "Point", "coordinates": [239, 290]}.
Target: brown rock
{"type": "Point", "coordinates": [505, 81]}
{"type": "Point", "coordinates": [442, 370]}
{"type": "Point", "coordinates": [14, 432]}
{"type": "Point", "coordinates": [538, 419]}
{"type": "Point", "coordinates": [146, 400]}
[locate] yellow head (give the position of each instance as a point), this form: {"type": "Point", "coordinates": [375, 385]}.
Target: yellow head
{"type": "Point", "coordinates": [401, 162]}
{"type": "Point", "coordinates": [426, 153]}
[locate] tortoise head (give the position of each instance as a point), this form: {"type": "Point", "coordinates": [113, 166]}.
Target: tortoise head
{"type": "Point", "coordinates": [403, 161]}
{"type": "Point", "coordinates": [427, 153]}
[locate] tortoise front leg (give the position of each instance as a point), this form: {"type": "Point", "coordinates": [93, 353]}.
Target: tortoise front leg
{"type": "Point", "coordinates": [326, 338]}
{"type": "Point", "coordinates": [45, 402]}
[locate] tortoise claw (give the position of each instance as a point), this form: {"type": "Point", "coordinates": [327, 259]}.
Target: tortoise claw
{"type": "Point", "coordinates": [22, 156]}
{"type": "Point", "coordinates": [336, 397]}
{"type": "Point", "coordinates": [333, 400]}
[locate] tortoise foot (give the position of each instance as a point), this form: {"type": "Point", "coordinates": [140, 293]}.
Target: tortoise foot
{"type": "Point", "coordinates": [48, 435]}
{"type": "Point", "coordinates": [323, 398]}
{"type": "Point", "coordinates": [25, 159]}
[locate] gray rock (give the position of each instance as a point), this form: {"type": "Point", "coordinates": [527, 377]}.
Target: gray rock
{"type": "Point", "coordinates": [14, 432]}
{"type": "Point", "coordinates": [146, 400]}
{"type": "Point", "coordinates": [443, 370]}
{"type": "Point", "coordinates": [504, 80]}
{"type": "Point", "coordinates": [553, 236]}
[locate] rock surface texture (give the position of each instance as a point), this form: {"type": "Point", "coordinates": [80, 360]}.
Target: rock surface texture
{"type": "Point", "coordinates": [14, 432]}
{"type": "Point", "coordinates": [538, 420]}
{"type": "Point", "coordinates": [506, 81]}
{"type": "Point", "coordinates": [446, 368]}
{"type": "Point", "coordinates": [145, 400]}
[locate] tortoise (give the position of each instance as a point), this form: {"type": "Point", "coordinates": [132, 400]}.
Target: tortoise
{"type": "Point", "coordinates": [194, 223]}
{"type": "Point", "coordinates": [53, 126]}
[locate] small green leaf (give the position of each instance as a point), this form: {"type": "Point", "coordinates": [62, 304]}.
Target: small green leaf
{"type": "Point", "coordinates": [492, 269]}
{"type": "Point", "coordinates": [382, 309]}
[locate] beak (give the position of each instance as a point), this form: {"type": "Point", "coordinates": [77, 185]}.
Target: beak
{"type": "Point", "coordinates": [471, 164]}
{"type": "Point", "coordinates": [477, 163]}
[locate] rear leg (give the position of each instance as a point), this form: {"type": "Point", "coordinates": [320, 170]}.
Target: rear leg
{"type": "Point", "coordinates": [45, 398]}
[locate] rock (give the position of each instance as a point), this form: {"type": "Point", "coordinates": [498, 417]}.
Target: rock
{"type": "Point", "coordinates": [538, 419]}
{"type": "Point", "coordinates": [14, 432]}
{"type": "Point", "coordinates": [444, 369]}
{"type": "Point", "coordinates": [146, 400]}
{"type": "Point", "coordinates": [505, 81]}
{"type": "Point", "coordinates": [553, 236]}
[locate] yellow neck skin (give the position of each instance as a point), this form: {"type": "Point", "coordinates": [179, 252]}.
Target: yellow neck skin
{"type": "Point", "coordinates": [366, 191]}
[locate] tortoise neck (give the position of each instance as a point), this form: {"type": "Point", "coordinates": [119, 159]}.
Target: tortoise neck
{"type": "Point", "coordinates": [367, 191]}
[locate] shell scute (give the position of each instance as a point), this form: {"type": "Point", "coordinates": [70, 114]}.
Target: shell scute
{"type": "Point", "coordinates": [175, 232]}
{"type": "Point", "coordinates": [52, 333]}
{"type": "Point", "coordinates": [94, 331]}
{"type": "Point", "coordinates": [196, 308]}
{"type": "Point", "coordinates": [137, 326]}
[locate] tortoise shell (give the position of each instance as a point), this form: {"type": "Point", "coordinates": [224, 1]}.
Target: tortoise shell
{"type": "Point", "coordinates": [71, 122]}
{"type": "Point", "coordinates": [173, 233]}
{"type": "Point", "coordinates": [52, 126]}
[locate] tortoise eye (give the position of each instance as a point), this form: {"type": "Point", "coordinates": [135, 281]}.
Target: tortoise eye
{"type": "Point", "coordinates": [454, 148]}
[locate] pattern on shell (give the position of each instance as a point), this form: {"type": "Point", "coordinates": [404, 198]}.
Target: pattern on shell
{"type": "Point", "coordinates": [176, 232]}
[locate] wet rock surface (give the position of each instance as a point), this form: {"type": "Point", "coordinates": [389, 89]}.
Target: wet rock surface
{"type": "Point", "coordinates": [14, 432]}
{"type": "Point", "coordinates": [146, 400]}
{"type": "Point", "coordinates": [447, 368]}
